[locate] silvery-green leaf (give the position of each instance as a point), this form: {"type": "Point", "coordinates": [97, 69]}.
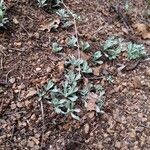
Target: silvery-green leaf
{"type": "Point", "coordinates": [55, 89]}
{"type": "Point", "coordinates": [99, 62]}
{"type": "Point", "coordinates": [58, 110]}
{"type": "Point", "coordinates": [42, 3]}
{"type": "Point", "coordinates": [41, 93]}
{"type": "Point", "coordinates": [62, 101]}
{"type": "Point", "coordinates": [72, 91]}
{"type": "Point", "coordinates": [78, 76]}
{"type": "Point", "coordinates": [85, 103]}
{"type": "Point", "coordinates": [68, 24]}
{"type": "Point", "coordinates": [77, 110]}
{"type": "Point", "coordinates": [1, 14]}
{"type": "Point", "coordinates": [110, 42]}
{"type": "Point", "coordinates": [49, 85]}
{"type": "Point", "coordinates": [47, 97]}
{"type": "Point", "coordinates": [72, 41]}
{"type": "Point", "coordinates": [56, 48]}
{"type": "Point", "coordinates": [136, 51]}
{"type": "Point", "coordinates": [62, 13]}
{"type": "Point", "coordinates": [97, 55]}
{"type": "Point", "coordinates": [55, 101]}
{"type": "Point", "coordinates": [85, 46]}
{"type": "Point", "coordinates": [97, 109]}
{"type": "Point", "coordinates": [74, 61]}
{"type": "Point", "coordinates": [73, 98]}
{"type": "Point", "coordinates": [98, 88]}
{"type": "Point", "coordinates": [75, 117]}
{"type": "Point", "coordinates": [85, 68]}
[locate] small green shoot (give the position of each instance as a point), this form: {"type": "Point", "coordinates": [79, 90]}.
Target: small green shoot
{"type": "Point", "coordinates": [110, 79]}
{"type": "Point", "coordinates": [72, 41]}
{"type": "Point", "coordinates": [63, 13]}
{"type": "Point", "coordinates": [67, 24]}
{"type": "Point", "coordinates": [72, 77]}
{"type": "Point", "coordinates": [96, 57]}
{"type": "Point", "coordinates": [76, 62]}
{"type": "Point", "coordinates": [3, 19]}
{"type": "Point", "coordinates": [85, 68]}
{"type": "Point", "coordinates": [42, 3]}
{"type": "Point", "coordinates": [56, 48]}
{"type": "Point", "coordinates": [85, 46]}
{"type": "Point", "coordinates": [128, 6]}
{"type": "Point", "coordinates": [136, 51]}
{"type": "Point", "coordinates": [112, 47]}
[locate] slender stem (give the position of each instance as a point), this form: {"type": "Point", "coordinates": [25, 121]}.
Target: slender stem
{"type": "Point", "coordinates": [76, 32]}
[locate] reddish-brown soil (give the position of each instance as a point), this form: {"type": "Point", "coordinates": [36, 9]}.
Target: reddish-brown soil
{"type": "Point", "coordinates": [27, 62]}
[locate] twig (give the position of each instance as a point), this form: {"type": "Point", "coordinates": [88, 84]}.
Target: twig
{"type": "Point", "coordinates": [95, 78]}
{"type": "Point", "coordinates": [24, 29]}
{"type": "Point", "coordinates": [43, 121]}
{"type": "Point", "coordinates": [1, 63]}
{"type": "Point", "coordinates": [2, 52]}
{"type": "Point", "coordinates": [8, 74]}
{"type": "Point", "coordinates": [13, 113]}
{"type": "Point", "coordinates": [76, 32]}
{"type": "Point", "coordinates": [43, 127]}
{"type": "Point", "coordinates": [16, 49]}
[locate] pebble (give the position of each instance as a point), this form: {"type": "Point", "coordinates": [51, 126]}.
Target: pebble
{"type": "Point", "coordinates": [117, 144]}
{"type": "Point", "coordinates": [86, 128]}
{"type": "Point", "coordinates": [12, 80]}
{"type": "Point", "coordinates": [38, 69]}
{"type": "Point", "coordinates": [48, 70]}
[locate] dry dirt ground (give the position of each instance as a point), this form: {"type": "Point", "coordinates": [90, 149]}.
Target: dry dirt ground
{"type": "Point", "coordinates": [26, 61]}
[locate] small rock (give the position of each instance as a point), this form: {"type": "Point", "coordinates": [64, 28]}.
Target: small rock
{"type": "Point", "coordinates": [33, 117]}
{"type": "Point", "coordinates": [117, 144]}
{"type": "Point", "coordinates": [96, 71]}
{"type": "Point", "coordinates": [30, 144]}
{"type": "Point", "coordinates": [12, 80]}
{"type": "Point", "coordinates": [86, 128]}
{"type": "Point", "coordinates": [17, 44]}
{"type": "Point", "coordinates": [123, 120]}
{"type": "Point", "coordinates": [13, 106]}
{"type": "Point", "coordinates": [132, 134]}
{"type": "Point", "coordinates": [48, 70]}
{"type": "Point", "coordinates": [16, 91]}
{"type": "Point", "coordinates": [19, 104]}
{"type": "Point", "coordinates": [38, 69]}
{"type": "Point", "coordinates": [91, 114]}
{"type": "Point", "coordinates": [27, 103]}
{"type": "Point", "coordinates": [140, 115]}
{"type": "Point", "coordinates": [61, 66]}
{"type": "Point", "coordinates": [15, 21]}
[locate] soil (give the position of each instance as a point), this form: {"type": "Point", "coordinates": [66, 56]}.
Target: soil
{"type": "Point", "coordinates": [27, 62]}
